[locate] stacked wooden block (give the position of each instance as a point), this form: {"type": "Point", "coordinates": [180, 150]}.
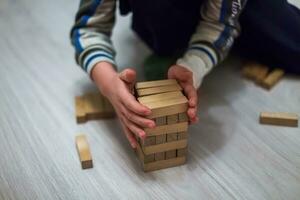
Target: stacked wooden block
{"type": "Point", "coordinates": [166, 144]}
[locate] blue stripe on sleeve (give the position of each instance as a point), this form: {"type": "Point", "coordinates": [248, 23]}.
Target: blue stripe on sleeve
{"type": "Point", "coordinates": [95, 56]}
{"type": "Point", "coordinates": [222, 38]}
{"type": "Point", "coordinates": [205, 51]}
{"type": "Point", "coordinates": [83, 21]}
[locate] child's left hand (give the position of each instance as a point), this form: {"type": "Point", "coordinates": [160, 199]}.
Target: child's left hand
{"type": "Point", "coordinates": [185, 79]}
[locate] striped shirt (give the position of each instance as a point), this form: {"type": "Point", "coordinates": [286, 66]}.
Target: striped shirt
{"type": "Point", "coordinates": [208, 46]}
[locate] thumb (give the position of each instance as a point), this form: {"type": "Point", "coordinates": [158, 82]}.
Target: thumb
{"type": "Point", "coordinates": [128, 75]}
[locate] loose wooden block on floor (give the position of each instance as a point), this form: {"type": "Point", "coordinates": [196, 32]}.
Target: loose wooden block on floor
{"type": "Point", "coordinates": [168, 109]}
{"type": "Point", "coordinates": [272, 79]}
{"type": "Point", "coordinates": [80, 111]}
{"type": "Point", "coordinates": [84, 152]}
{"type": "Point", "coordinates": [92, 106]}
{"type": "Point", "coordinates": [277, 118]}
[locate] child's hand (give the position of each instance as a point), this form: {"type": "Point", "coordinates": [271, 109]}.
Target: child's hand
{"type": "Point", "coordinates": [118, 89]}
{"type": "Point", "coordinates": [185, 79]}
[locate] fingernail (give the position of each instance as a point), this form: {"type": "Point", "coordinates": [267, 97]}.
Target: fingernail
{"type": "Point", "coordinates": [147, 112]}
{"type": "Point", "coordinates": [151, 125]}
{"type": "Point", "coordinates": [142, 134]}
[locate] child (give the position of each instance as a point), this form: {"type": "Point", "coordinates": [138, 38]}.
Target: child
{"type": "Point", "coordinates": [201, 32]}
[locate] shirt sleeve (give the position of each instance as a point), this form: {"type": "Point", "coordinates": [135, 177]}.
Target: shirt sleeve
{"type": "Point", "coordinates": [90, 35]}
{"type": "Point", "coordinates": [213, 38]}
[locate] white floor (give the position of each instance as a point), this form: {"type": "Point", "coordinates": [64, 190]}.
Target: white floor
{"type": "Point", "coordinates": [231, 156]}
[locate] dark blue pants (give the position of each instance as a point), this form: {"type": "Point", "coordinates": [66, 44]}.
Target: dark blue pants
{"type": "Point", "coordinates": [270, 28]}
{"type": "Point", "coordinates": [271, 34]}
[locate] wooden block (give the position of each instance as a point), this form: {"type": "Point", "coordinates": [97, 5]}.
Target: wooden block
{"type": "Point", "coordinates": [80, 110]}
{"type": "Point", "coordinates": [179, 144]}
{"type": "Point", "coordinates": [167, 107]}
{"type": "Point", "coordinates": [255, 71]}
{"type": "Point", "coordinates": [160, 121]}
{"type": "Point", "coordinates": [158, 90]}
{"type": "Point", "coordinates": [149, 140]}
{"type": "Point", "coordinates": [272, 78]}
{"type": "Point", "coordinates": [181, 152]}
{"type": "Point", "coordinates": [182, 117]}
{"type": "Point", "coordinates": [149, 158]}
{"type": "Point", "coordinates": [92, 106]}
{"type": "Point", "coordinates": [160, 139]}
{"type": "Point", "coordinates": [150, 84]}
{"type": "Point", "coordinates": [281, 119]}
{"type": "Point", "coordinates": [160, 97]}
{"type": "Point", "coordinates": [84, 152]}
{"type": "Point", "coordinates": [160, 156]}
{"type": "Point", "coordinates": [171, 119]}
{"type": "Point", "coordinates": [261, 74]}
{"type": "Point", "coordinates": [165, 129]}
{"type": "Point", "coordinates": [249, 70]}
{"type": "Point", "coordinates": [162, 164]}
{"type": "Point", "coordinates": [159, 164]}
{"type": "Point", "coordinates": [182, 135]}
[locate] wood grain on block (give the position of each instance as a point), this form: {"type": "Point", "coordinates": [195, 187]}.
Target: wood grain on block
{"type": "Point", "coordinates": [149, 158]}
{"type": "Point", "coordinates": [160, 139]}
{"type": "Point", "coordinates": [179, 144]}
{"type": "Point", "coordinates": [149, 140]}
{"type": "Point", "coordinates": [255, 71]}
{"type": "Point", "coordinates": [171, 119]}
{"type": "Point", "coordinates": [92, 106]}
{"type": "Point", "coordinates": [157, 90]}
{"type": "Point", "coordinates": [272, 78]}
{"type": "Point", "coordinates": [84, 152]}
{"type": "Point", "coordinates": [80, 110]}
{"type": "Point", "coordinates": [181, 152]}
{"type": "Point", "coordinates": [277, 118]}
{"type": "Point", "coordinates": [261, 74]}
{"type": "Point", "coordinates": [162, 164]}
{"type": "Point", "coordinates": [160, 97]}
{"type": "Point", "coordinates": [249, 70]}
{"type": "Point", "coordinates": [165, 129]}
{"type": "Point", "coordinates": [142, 157]}
{"type": "Point", "coordinates": [182, 117]}
{"type": "Point", "coordinates": [150, 84]}
{"type": "Point", "coordinates": [167, 107]}
{"type": "Point", "coordinates": [182, 135]}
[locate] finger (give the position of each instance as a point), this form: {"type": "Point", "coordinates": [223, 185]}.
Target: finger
{"type": "Point", "coordinates": [129, 136]}
{"type": "Point", "coordinates": [131, 103]}
{"type": "Point", "coordinates": [128, 75]}
{"type": "Point", "coordinates": [134, 128]}
{"type": "Point", "coordinates": [194, 120]}
{"type": "Point", "coordinates": [191, 94]}
{"type": "Point", "coordinates": [143, 122]}
{"type": "Point", "coordinates": [192, 113]}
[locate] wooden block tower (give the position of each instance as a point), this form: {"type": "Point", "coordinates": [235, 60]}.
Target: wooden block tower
{"type": "Point", "coordinates": [166, 144]}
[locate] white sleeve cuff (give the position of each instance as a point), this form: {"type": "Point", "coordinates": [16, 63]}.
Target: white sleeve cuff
{"type": "Point", "coordinates": [199, 59]}
{"type": "Point", "coordinates": [95, 57]}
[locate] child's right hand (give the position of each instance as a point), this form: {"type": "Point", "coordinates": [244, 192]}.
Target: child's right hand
{"type": "Point", "coordinates": [118, 88]}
